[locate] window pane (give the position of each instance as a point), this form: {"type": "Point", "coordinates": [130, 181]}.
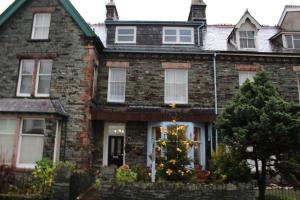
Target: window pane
{"type": "Point", "coordinates": [297, 44]}
{"type": "Point", "coordinates": [185, 39]}
{"type": "Point", "coordinates": [7, 136]}
{"type": "Point", "coordinates": [26, 85]}
{"type": "Point", "coordinates": [170, 32]}
{"type": "Point", "coordinates": [185, 32]}
{"type": "Point", "coordinates": [46, 67]}
{"type": "Point", "coordinates": [251, 43]}
{"type": "Point", "coordinates": [289, 42]}
{"type": "Point", "coordinates": [125, 38]}
{"type": "Point", "coordinates": [170, 38]}
{"type": "Point", "coordinates": [243, 34]}
{"type": "Point", "coordinates": [243, 43]}
{"type": "Point", "coordinates": [116, 129]}
{"type": "Point", "coordinates": [126, 31]}
{"type": "Point", "coordinates": [44, 84]}
{"type": "Point", "coordinates": [7, 126]}
{"type": "Point", "coordinates": [27, 66]}
{"type": "Point", "coordinates": [296, 37]}
{"type": "Point", "coordinates": [250, 34]}
{"type": "Point", "coordinates": [31, 149]}
{"type": "Point", "coordinates": [31, 126]}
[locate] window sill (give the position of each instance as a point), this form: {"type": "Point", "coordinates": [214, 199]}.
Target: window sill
{"type": "Point", "coordinates": [38, 40]}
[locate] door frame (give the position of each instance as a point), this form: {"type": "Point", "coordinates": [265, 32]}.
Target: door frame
{"type": "Point", "coordinates": [105, 141]}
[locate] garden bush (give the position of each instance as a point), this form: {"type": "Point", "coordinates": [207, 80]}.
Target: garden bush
{"type": "Point", "coordinates": [226, 166]}
{"type": "Point", "coordinates": [125, 175]}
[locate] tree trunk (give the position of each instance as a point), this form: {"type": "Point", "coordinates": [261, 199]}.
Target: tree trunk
{"type": "Point", "coordinates": [262, 181]}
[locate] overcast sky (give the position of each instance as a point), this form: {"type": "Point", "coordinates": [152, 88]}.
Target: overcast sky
{"type": "Point", "coordinates": [266, 12]}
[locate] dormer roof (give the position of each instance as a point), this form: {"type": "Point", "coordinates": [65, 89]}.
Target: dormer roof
{"type": "Point", "coordinates": [287, 8]}
{"type": "Point", "coordinates": [248, 16]}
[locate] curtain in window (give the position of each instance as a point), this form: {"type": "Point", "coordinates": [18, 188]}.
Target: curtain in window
{"type": "Point", "coordinates": [7, 136]}
{"type": "Point", "coordinates": [176, 86]}
{"type": "Point", "coordinates": [44, 77]}
{"type": "Point", "coordinates": [41, 26]}
{"type": "Point", "coordinates": [117, 83]}
{"type": "Point", "coordinates": [27, 68]}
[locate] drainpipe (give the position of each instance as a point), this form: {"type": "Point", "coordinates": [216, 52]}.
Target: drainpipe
{"type": "Point", "coordinates": [65, 139]}
{"type": "Point", "coordinates": [198, 30]}
{"type": "Point", "coordinates": [216, 92]}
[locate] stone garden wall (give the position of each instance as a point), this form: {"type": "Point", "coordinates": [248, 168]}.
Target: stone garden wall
{"type": "Point", "coordinates": [180, 191]}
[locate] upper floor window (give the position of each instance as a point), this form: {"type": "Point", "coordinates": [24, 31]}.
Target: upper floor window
{"type": "Point", "coordinates": [244, 75]}
{"type": "Point", "coordinates": [41, 26]}
{"type": "Point", "coordinates": [116, 85]}
{"type": "Point", "coordinates": [292, 41]}
{"type": "Point", "coordinates": [178, 35]}
{"type": "Point", "coordinates": [247, 39]}
{"type": "Point", "coordinates": [34, 78]}
{"type": "Point", "coordinates": [125, 34]}
{"type": "Point", "coordinates": [176, 86]}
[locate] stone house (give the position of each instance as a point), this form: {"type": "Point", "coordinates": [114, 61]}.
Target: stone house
{"type": "Point", "coordinates": [64, 95]}
{"type": "Point", "coordinates": [49, 56]}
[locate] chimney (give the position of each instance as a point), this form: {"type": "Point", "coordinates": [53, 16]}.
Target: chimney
{"type": "Point", "coordinates": [111, 11]}
{"type": "Point", "coordinates": [198, 11]}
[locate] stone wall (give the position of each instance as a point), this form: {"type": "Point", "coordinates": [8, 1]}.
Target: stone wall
{"type": "Point", "coordinates": [180, 191]}
{"type": "Point", "coordinates": [71, 80]}
{"type": "Point", "coordinates": [145, 80]}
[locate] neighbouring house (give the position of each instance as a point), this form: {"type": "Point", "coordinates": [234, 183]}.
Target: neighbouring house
{"type": "Point", "coordinates": [65, 95]}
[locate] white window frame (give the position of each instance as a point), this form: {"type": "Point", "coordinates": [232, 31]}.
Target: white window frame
{"type": "Point", "coordinates": [20, 78]}
{"type": "Point", "coordinates": [18, 164]}
{"type": "Point", "coordinates": [250, 75]}
{"type": "Point", "coordinates": [38, 78]}
{"type": "Point", "coordinates": [293, 43]}
{"type": "Point", "coordinates": [187, 87]}
{"type": "Point", "coordinates": [15, 135]}
{"type": "Point", "coordinates": [34, 26]}
{"type": "Point", "coordinates": [108, 90]}
{"type": "Point", "coordinates": [125, 27]}
{"type": "Point", "coordinates": [177, 29]}
{"type": "Point", "coordinates": [247, 38]}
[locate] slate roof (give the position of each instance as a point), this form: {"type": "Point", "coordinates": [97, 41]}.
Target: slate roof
{"type": "Point", "coordinates": [86, 29]}
{"type": "Point", "coordinates": [215, 39]}
{"type": "Point", "coordinates": [32, 106]}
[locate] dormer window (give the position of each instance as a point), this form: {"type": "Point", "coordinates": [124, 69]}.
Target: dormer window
{"type": "Point", "coordinates": [247, 39]}
{"type": "Point", "coordinates": [126, 34]}
{"type": "Point", "coordinates": [292, 41]}
{"type": "Point", "coordinates": [178, 35]}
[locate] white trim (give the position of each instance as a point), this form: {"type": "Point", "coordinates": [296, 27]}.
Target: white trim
{"type": "Point", "coordinates": [177, 29]}
{"type": "Point", "coordinates": [38, 78]}
{"type": "Point", "coordinates": [34, 26]}
{"type": "Point", "coordinates": [105, 141]}
{"type": "Point", "coordinates": [125, 27]}
{"type": "Point", "coordinates": [18, 164]}
{"type": "Point", "coordinates": [285, 11]}
{"type": "Point", "coordinates": [56, 152]}
{"type": "Point", "coordinates": [246, 16]}
{"type": "Point", "coordinates": [108, 87]}
{"type": "Point", "coordinates": [187, 88]}
{"type": "Point", "coordinates": [19, 94]}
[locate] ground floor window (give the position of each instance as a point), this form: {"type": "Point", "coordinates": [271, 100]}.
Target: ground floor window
{"type": "Point", "coordinates": [194, 131]}
{"type": "Point", "coordinates": [22, 141]}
